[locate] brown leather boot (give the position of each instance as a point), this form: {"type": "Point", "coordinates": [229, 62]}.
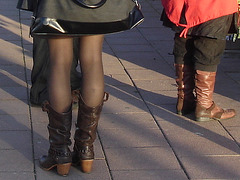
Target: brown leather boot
{"type": "Point", "coordinates": [85, 134]}
{"type": "Point", "coordinates": [59, 154]}
{"type": "Point", "coordinates": [185, 82]}
{"type": "Point", "coordinates": [206, 109]}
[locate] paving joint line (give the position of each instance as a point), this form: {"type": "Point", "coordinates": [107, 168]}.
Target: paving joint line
{"type": "Point", "coordinates": [28, 98]}
{"type": "Point", "coordinates": [175, 154]}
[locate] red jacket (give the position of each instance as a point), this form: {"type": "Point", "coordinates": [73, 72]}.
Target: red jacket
{"type": "Point", "coordinates": [198, 11]}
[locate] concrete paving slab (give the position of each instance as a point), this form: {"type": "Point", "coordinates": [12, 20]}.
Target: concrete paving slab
{"type": "Point", "coordinates": [15, 57]}
{"type": "Point", "coordinates": [156, 33]}
{"type": "Point", "coordinates": [165, 48]}
{"type": "Point", "coordinates": [122, 92]}
{"type": "Point", "coordinates": [17, 175]}
{"type": "Point", "coordinates": [227, 102]}
{"type": "Point", "coordinates": [110, 59]}
{"type": "Point", "coordinates": [14, 140]}
{"type": "Point", "coordinates": [156, 85]}
{"type": "Point", "coordinates": [9, 25]}
{"type": "Point", "coordinates": [113, 70]}
{"type": "Point", "coordinates": [117, 80]}
{"type": "Point", "coordinates": [235, 76]}
{"type": "Point", "coordinates": [13, 93]}
{"type": "Point", "coordinates": [25, 20]}
{"type": "Point", "coordinates": [234, 132]}
{"type": "Point", "coordinates": [212, 167]}
{"type": "Point", "coordinates": [190, 139]}
{"type": "Point", "coordinates": [7, 4]}
{"type": "Point", "coordinates": [140, 60]}
{"type": "Point", "coordinates": [115, 105]}
{"type": "Point", "coordinates": [141, 63]}
{"type": "Point", "coordinates": [15, 161]}
{"type": "Point", "coordinates": [131, 47]}
{"type": "Point", "coordinates": [164, 112]}
{"type": "Point", "coordinates": [138, 137]}
{"type": "Point", "coordinates": [149, 158]}
{"type": "Point", "coordinates": [159, 97]}
{"type": "Point", "coordinates": [147, 75]}
{"type": "Point", "coordinates": [130, 121]}
{"type": "Point", "coordinates": [14, 122]}
{"type": "Point", "coordinates": [13, 107]}
{"type": "Point", "coordinates": [112, 40]}
{"type": "Point", "coordinates": [28, 51]}
{"type": "Point", "coordinates": [150, 22]}
{"type": "Point", "coordinates": [10, 37]}
{"type": "Point", "coordinates": [12, 74]}
{"type": "Point", "coordinates": [149, 175]}
{"type": "Point", "coordinates": [126, 34]}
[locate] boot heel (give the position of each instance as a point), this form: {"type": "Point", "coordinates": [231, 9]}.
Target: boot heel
{"type": "Point", "coordinates": [63, 169]}
{"type": "Point", "coordinates": [86, 165]}
{"type": "Point", "coordinates": [180, 113]}
{"type": "Point", "coordinates": [203, 119]}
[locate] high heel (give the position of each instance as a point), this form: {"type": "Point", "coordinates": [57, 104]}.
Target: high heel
{"type": "Point", "coordinates": [86, 165]}
{"type": "Point", "coordinates": [63, 169]}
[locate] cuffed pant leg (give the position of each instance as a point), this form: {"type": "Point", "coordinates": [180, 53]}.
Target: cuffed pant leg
{"type": "Point", "coordinates": [183, 49]}
{"type": "Point", "coordinates": [207, 53]}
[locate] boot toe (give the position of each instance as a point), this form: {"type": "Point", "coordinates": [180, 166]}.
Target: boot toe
{"type": "Point", "coordinates": [47, 163]}
{"type": "Point", "coordinates": [228, 113]}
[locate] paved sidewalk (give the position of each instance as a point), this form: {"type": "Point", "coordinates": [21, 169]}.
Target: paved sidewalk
{"type": "Point", "coordinates": [140, 136]}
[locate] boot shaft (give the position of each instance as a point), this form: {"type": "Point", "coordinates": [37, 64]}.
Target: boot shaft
{"type": "Point", "coordinates": [86, 129]}
{"type": "Point", "coordinates": [206, 109]}
{"type": "Point", "coordinates": [185, 79]}
{"type": "Point", "coordinates": [186, 85]}
{"type": "Point", "coordinates": [87, 121]}
{"type": "Point", "coordinates": [59, 154]}
{"type": "Point", "coordinates": [59, 126]}
{"type": "Point", "coordinates": [204, 87]}
{"type": "Point", "coordinates": [185, 76]}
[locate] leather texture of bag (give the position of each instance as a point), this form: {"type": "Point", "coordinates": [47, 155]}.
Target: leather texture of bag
{"type": "Point", "coordinates": [82, 17]}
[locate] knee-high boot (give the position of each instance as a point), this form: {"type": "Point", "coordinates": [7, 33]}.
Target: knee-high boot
{"type": "Point", "coordinates": [59, 154]}
{"type": "Point", "coordinates": [185, 83]}
{"type": "Point", "coordinates": [85, 135]}
{"type": "Point", "coordinates": [206, 109]}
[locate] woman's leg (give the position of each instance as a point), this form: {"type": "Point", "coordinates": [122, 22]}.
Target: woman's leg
{"type": "Point", "coordinates": [59, 88]}
{"type": "Point", "coordinates": [92, 69]}
{"type": "Point", "coordinates": [90, 100]}
{"type": "Point", "coordinates": [59, 107]}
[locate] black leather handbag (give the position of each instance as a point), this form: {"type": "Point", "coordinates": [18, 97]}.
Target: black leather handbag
{"type": "Point", "coordinates": [82, 17]}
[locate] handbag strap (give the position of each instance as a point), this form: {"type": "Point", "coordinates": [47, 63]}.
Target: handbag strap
{"type": "Point", "coordinates": [91, 6]}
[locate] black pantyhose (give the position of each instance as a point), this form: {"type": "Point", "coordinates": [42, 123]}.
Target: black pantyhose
{"type": "Point", "coordinates": [92, 69]}
{"type": "Point", "coordinates": [61, 53]}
